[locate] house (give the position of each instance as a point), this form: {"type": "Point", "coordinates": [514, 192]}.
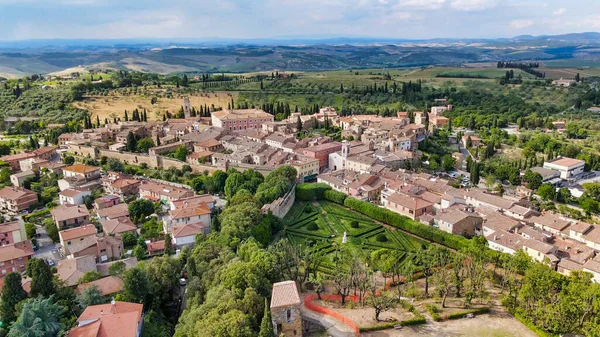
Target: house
{"type": "Point", "coordinates": [458, 220]}
{"type": "Point", "coordinates": [118, 319]}
{"type": "Point", "coordinates": [361, 163]}
{"type": "Point", "coordinates": [201, 157]}
{"type": "Point", "coordinates": [241, 119]}
{"type": "Point", "coordinates": [495, 222]}
{"type": "Point", "coordinates": [505, 242]}
{"type": "Point", "coordinates": [71, 270]}
{"type": "Point", "coordinates": [412, 207]}
{"type": "Point", "coordinates": [285, 309]}
{"type": "Point", "coordinates": [475, 141]}
{"type": "Point", "coordinates": [477, 198]}
{"type": "Point", "coordinates": [551, 222]}
{"type": "Point", "coordinates": [114, 212]}
{"type": "Point", "coordinates": [130, 262]}
{"type": "Point", "coordinates": [16, 199]}
{"type": "Point", "coordinates": [306, 168]}
{"type": "Point", "coordinates": [73, 196]}
{"type": "Point", "coordinates": [185, 235]}
{"type": "Point", "coordinates": [81, 241]}
{"type": "Point", "coordinates": [156, 247]}
{"type": "Point", "coordinates": [118, 226]}
{"type": "Point", "coordinates": [211, 145]}
{"type": "Point", "coordinates": [566, 266]}
{"type": "Point", "coordinates": [593, 267]}
{"type": "Point", "coordinates": [17, 179]}
{"type": "Point", "coordinates": [14, 257]}
{"type": "Point", "coordinates": [563, 83]}
{"type": "Point", "coordinates": [13, 159]}
{"type": "Point", "coordinates": [81, 172]}
{"type": "Point", "coordinates": [540, 251]}
{"type": "Point", "coordinates": [568, 167]}
{"type": "Point", "coordinates": [320, 152]}
{"type": "Point", "coordinates": [69, 236]}
{"type": "Point", "coordinates": [122, 187]}
{"type": "Point", "coordinates": [107, 285]}
{"type": "Point", "coordinates": [12, 232]}
{"type": "Point", "coordinates": [45, 153]}
{"type": "Point", "coordinates": [32, 164]}
{"type": "Point", "coordinates": [67, 216]}
{"type": "Point", "coordinates": [163, 192]}
{"type": "Point", "coordinates": [547, 174]}
{"type": "Point", "coordinates": [106, 202]}
{"type": "Point", "coordinates": [277, 140]}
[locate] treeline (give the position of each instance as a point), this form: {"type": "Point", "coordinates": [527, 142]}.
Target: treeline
{"type": "Point", "coordinates": [526, 67]}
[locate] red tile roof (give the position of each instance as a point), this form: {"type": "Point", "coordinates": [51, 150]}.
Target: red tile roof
{"type": "Point", "coordinates": [16, 250]}
{"type": "Point", "coordinates": [77, 232]}
{"type": "Point", "coordinates": [284, 294]}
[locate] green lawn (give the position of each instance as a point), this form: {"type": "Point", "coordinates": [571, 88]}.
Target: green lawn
{"type": "Point", "coordinates": [332, 220]}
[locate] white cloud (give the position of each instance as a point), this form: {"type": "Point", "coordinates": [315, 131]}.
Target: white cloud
{"type": "Point", "coordinates": [473, 5]}
{"type": "Point", "coordinates": [520, 24]}
{"type": "Point", "coordinates": [560, 11]}
{"type": "Point", "coordinates": [421, 4]}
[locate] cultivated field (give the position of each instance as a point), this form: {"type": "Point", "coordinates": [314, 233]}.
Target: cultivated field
{"type": "Point", "coordinates": [115, 105]}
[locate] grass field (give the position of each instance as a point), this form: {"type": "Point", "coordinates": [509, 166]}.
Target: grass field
{"type": "Point", "coordinates": [115, 105]}
{"type": "Point", "coordinates": [332, 221]}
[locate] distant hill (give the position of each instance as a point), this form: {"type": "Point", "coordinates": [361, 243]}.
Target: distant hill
{"type": "Point", "coordinates": [21, 58]}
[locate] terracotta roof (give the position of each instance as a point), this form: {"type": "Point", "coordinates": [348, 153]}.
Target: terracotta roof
{"type": "Point", "coordinates": [593, 235]}
{"type": "Point", "coordinates": [453, 215]}
{"type": "Point", "coordinates": [409, 202]}
{"type": "Point", "coordinates": [16, 250]}
{"type": "Point", "coordinates": [507, 239]}
{"type": "Point", "coordinates": [17, 157]}
{"type": "Point", "coordinates": [190, 210]}
{"type": "Point", "coordinates": [8, 227]}
{"type": "Point", "coordinates": [108, 320]}
{"type": "Point", "coordinates": [592, 265]}
{"type": "Point", "coordinates": [117, 226]}
{"type": "Point", "coordinates": [581, 227]}
{"type": "Point", "coordinates": [208, 143]}
{"type": "Point", "coordinates": [490, 199]}
{"type": "Point", "coordinates": [44, 150]}
{"type": "Point", "coordinates": [81, 168]}
{"type": "Point", "coordinates": [155, 246]}
{"type": "Point", "coordinates": [497, 221]}
{"type": "Point", "coordinates": [569, 265]}
{"type": "Point", "coordinates": [539, 246]}
{"type": "Point", "coordinates": [566, 162]}
{"type": "Point", "coordinates": [15, 193]}
{"type": "Point", "coordinates": [551, 220]}
{"type": "Point", "coordinates": [113, 212]}
{"type": "Point", "coordinates": [241, 114]}
{"type": "Point", "coordinates": [68, 211]}
{"type": "Point", "coordinates": [70, 193]}
{"type": "Point", "coordinates": [71, 270]}
{"type": "Point", "coordinates": [107, 285]}
{"type": "Point", "coordinates": [77, 232]}
{"type": "Point", "coordinates": [124, 182]}
{"type": "Point", "coordinates": [186, 230]}
{"type": "Point", "coordinates": [200, 154]}
{"type": "Point", "coordinates": [284, 294]}
{"type": "Point", "coordinates": [164, 189]}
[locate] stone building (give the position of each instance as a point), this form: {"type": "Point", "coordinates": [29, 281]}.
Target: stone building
{"type": "Point", "coordinates": [285, 309]}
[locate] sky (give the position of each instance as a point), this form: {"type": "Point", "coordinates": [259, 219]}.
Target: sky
{"type": "Point", "coordinates": [243, 19]}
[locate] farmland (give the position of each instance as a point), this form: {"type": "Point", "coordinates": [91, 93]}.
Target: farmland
{"type": "Point", "coordinates": [323, 225]}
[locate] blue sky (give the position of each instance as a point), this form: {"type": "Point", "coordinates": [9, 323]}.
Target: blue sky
{"type": "Point", "coordinates": [416, 19]}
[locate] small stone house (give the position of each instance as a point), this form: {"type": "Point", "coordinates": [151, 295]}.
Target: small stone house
{"type": "Point", "coordinates": [285, 309]}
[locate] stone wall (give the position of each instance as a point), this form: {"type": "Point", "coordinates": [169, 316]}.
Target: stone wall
{"type": "Point", "coordinates": [287, 320]}
{"type": "Point", "coordinates": [137, 158]}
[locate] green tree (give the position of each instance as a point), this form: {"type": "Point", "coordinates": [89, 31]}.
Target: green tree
{"type": "Point", "coordinates": [39, 317]}
{"type": "Point", "coordinates": [381, 302]}
{"type": "Point", "coordinates": [168, 245]}
{"type": "Point", "coordinates": [89, 277]}
{"type": "Point", "coordinates": [139, 252]}
{"type": "Point", "coordinates": [144, 144]}
{"type": "Point", "coordinates": [299, 124]}
{"type": "Point", "coordinates": [534, 180]}
{"type": "Point", "coordinates": [469, 142]}
{"type": "Point", "coordinates": [234, 182]}
{"type": "Point", "coordinates": [69, 160]}
{"type": "Point", "coordinates": [547, 192]}
{"type": "Point", "coordinates": [113, 164]}
{"type": "Point", "coordinates": [90, 296]}
{"type": "Point", "coordinates": [448, 162]}
{"type": "Point", "coordinates": [589, 205]}
{"type": "Point", "coordinates": [41, 278]}
{"type": "Point", "coordinates": [136, 286]}
{"type": "Point", "coordinates": [12, 294]}
{"type": "Point", "coordinates": [266, 325]}
{"type": "Point", "coordinates": [131, 144]}
{"type": "Point", "coordinates": [117, 269]}
{"type": "Point", "coordinates": [564, 195]}
{"type": "Point", "coordinates": [181, 153]}
{"type": "Point", "coordinates": [140, 208]}
{"type": "Point", "coordinates": [52, 231]}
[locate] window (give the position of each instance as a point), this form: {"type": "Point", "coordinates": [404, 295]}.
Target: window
{"type": "Point", "coordinates": [68, 243]}
{"type": "Point", "coordinates": [289, 315]}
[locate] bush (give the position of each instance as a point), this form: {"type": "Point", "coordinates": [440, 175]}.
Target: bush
{"type": "Point", "coordinates": [334, 196]}
{"type": "Point", "coordinates": [463, 314]}
{"type": "Point", "coordinates": [30, 230]}
{"type": "Point", "coordinates": [310, 192]}
{"type": "Point", "coordinates": [433, 311]}
{"type": "Point", "coordinates": [381, 238]}
{"type": "Point", "coordinates": [312, 226]}
{"type": "Point", "coordinates": [354, 224]}
{"type": "Point", "coordinates": [531, 326]}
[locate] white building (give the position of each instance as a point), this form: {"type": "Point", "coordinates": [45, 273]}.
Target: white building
{"type": "Point", "coordinates": [568, 167]}
{"type": "Point", "coordinates": [73, 196]}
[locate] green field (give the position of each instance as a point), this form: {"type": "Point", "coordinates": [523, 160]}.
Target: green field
{"type": "Point", "coordinates": [323, 224]}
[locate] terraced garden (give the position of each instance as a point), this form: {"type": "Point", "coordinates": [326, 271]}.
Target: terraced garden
{"type": "Point", "coordinates": [323, 224]}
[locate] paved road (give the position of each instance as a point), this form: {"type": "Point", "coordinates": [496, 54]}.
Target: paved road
{"type": "Point", "coordinates": [46, 248]}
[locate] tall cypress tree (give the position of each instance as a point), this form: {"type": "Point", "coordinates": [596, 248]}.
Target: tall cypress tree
{"type": "Point", "coordinates": [12, 293]}
{"type": "Point", "coordinates": [41, 278]}
{"type": "Point", "coordinates": [266, 325]}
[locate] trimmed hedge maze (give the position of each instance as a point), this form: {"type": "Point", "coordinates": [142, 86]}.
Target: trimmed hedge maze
{"type": "Point", "coordinates": [323, 224]}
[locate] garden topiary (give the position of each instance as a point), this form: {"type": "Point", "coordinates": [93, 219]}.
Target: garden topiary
{"type": "Point", "coordinates": [307, 209]}
{"type": "Point", "coordinates": [381, 237]}
{"type": "Point", "coordinates": [354, 224]}
{"type": "Point", "coordinates": [312, 226]}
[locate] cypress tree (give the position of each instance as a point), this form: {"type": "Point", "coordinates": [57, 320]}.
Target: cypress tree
{"type": "Point", "coordinates": [12, 293]}
{"type": "Point", "coordinates": [41, 278]}
{"type": "Point", "coordinates": [266, 325]}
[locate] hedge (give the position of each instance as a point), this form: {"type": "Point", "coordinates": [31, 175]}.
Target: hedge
{"type": "Point", "coordinates": [531, 326]}
{"type": "Point", "coordinates": [406, 224]}
{"type": "Point", "coordinates": [310, 192]}
{"type": "Point", "coordinates": [335, 196]}
{"type": "Point", "coordinates": [34, 215]}
{"type": "Point", "coordinates": [463, 314]}
{"type": "Point", "coordinates": [433, 311]}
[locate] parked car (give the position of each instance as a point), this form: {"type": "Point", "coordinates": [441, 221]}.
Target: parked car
{"type": "Point", "coordinates": [50, 262]}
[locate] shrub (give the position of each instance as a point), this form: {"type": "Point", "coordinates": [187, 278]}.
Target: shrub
{"type": "Point", "coordinates": [354, 224]}
{"type": "Point", "coordinates": [312, 226]}
{"type": "Point", "coordinates": [381, 238]}
{"type": "Point", "coordinates": [30, 230]}
{"type": "Point", "coordinates": [310, 192]}
{"type": "Point", "coordinates": [433, 311]}
{"type": "Point", "coordinates": [463, 314]}
{"type": "Point", "coordinates": [334, 196]}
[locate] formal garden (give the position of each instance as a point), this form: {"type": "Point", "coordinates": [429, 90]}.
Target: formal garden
{"type": "Point", "coordinates": [322, 224]}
